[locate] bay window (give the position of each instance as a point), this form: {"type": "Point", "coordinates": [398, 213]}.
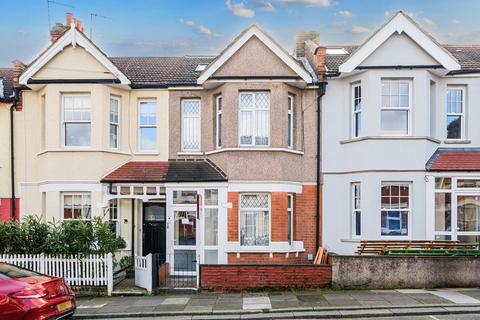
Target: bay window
{"type": "Point", "coordinates": [395, 209]}
{"type": "Point", "coordinates": [396, 105]}
{"type": "Point", "coordinates": [114, 122]}
{"type": "Point", "coordinates": [76, 120]}
{"type": "Point", "coordinates": [76, 206]}
{"type": "Point", "coordinates": [254, 219]}
{"type": "Point", "coordinates": [357, 110]}
{"type": "Point", "coordinates": [147, 123]}
{"type": "Point", "coordinates": [254, 123]}
{"type": "Point", "coordinates": [455, 113]}
{"type": "Point", "coordinates": [290, 122]}
{"type": "Point", "coordinates": [190, 125]}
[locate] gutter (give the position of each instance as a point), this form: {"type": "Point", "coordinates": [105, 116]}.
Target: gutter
{"type": "Point", "coordinates": [320, 94]}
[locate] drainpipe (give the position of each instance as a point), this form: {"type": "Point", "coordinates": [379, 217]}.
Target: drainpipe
{"type": "Point", "coordinates": [320, 94]}
{"type": "Point", "coordinates": [12, 154]}
{"type": "Point", "coordinates": [133, 228]}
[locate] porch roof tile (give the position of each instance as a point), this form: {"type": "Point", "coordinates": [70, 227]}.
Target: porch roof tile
{"type": "Point", "coordinates": [166, 171]}
{"type": "Point", "coordinates": [455, 159]}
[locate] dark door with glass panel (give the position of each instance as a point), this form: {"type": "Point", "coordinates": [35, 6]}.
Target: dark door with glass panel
{"type": "Point", "coordinates": [154, 228]}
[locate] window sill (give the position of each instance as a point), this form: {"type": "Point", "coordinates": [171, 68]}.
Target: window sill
{"type": "Point", "coordinates": [353, 240]}
{"type": "Point", "coordinates": [274, 247]}
{"type": "Point", "coordinates": [261, 149]}
{"type": "Point", "coordinates": [454, 141]}
{"type": "Point", "coordinates": [190, 153]}
{"type": "Point", "coordinates": [365, 138]}
{"type": "Point", "coordinates": [146, 153]}
{"type": "Point", "coordinates": [82, 150]}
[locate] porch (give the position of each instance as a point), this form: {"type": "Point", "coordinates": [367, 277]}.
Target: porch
{"type": "Point", "coordinates": [174, 213]}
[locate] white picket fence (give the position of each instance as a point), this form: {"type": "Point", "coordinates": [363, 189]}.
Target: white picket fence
{"type": "Point", "coordinates": [90, 270]}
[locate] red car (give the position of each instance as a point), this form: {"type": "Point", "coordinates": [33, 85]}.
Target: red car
{"type": "Point", "coordinates": [29, 295]}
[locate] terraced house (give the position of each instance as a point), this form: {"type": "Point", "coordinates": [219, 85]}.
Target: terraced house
{"type": "Point", "coordinates": [400, 140]}
{"type": "Point", "coordinates": [199, 159]}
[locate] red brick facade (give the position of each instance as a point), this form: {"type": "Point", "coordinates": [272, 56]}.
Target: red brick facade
{"type": "Point", "coordinates": [241, 277]}
{"type": "Point", "coordinates": [304, 227]}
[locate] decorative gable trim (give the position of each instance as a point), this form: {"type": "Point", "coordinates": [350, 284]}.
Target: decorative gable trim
{"type": "Point", "coordinates": [253, 30]}
{"type": "Point", "coordinates": [71, 37]}
{"type": "Point", "coordinates": [398, 24]}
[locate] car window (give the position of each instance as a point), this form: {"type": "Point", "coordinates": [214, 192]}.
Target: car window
{"type": "Point", "coordinates": [9, 271]}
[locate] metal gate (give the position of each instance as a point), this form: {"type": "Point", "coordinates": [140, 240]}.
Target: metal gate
{"type": "Point", "coordinates": [182, 274]}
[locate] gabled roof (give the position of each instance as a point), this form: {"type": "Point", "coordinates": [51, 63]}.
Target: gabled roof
{"type": "Point", "coordinates": [72, 37]}
{"type": "Point", "coordinates": [400, 23]}
{"type": "Point", "coordinates": [166, 171]}
{"type": "Point", "coordinates": [240, 40]}
{"type": "Point", "coordinates": [454, 159]}
{"type": "Point", "coordinates": [6, 77]}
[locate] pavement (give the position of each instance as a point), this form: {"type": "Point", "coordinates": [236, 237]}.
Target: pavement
{"type": "Point", "coordinates": [319, 304]}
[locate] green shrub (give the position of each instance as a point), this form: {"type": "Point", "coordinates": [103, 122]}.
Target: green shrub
{"type": "Point", "coordinates": [32, 236]}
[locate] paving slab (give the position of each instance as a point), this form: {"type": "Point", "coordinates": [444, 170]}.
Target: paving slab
{"type": "Point", "coordinates": [256, 303]}
{"type": "Point", "coordinates": [455, 297]}
{"type": "Point", "coordinates": [198, 308]}
{"type": "Point", "coordinates": [428, 298]}
{"type": "Point", "coordinates": [175, 301]}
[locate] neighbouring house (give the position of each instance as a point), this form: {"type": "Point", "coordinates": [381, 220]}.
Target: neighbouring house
{"type": "Point", "coordinates": [197, 159]}
{"type": "Point", "coordinates": [7, 211]}
{"type": "Point", "coordinates": [400, 148]}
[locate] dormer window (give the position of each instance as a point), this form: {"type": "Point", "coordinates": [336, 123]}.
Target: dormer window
{"type": "Point", "coordinates": [200, 67]}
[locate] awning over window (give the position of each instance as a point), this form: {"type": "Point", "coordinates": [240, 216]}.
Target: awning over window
{"type": "Point", "coordinates": [455, 159]}
{"type": "Point", "coordinates": [166, 171]}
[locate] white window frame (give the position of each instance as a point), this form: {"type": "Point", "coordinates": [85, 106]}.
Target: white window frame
{"type": "Point", "coordinates": [354, 209]}
{"type": "Point", "coordinates": [75, 194]}
{"type": "Point", "coordinates": [218, 121]}
{"type": "Point", "coordinates": [462, 114]}
{"type": "Point", "coordinates": [408, 110]}
{"type": "Point", "coordinates": [64, 122]}
{"type": "Point", "coordinates": [117, 124]}
{"type": "Point", "coordinates": [140, 126]}
{"type": "Point", "coordinates": [356, 134]}
{"type": "Point", "coordinates": [254, 247]}
{"type": "Point", "coordinates": [254, 118]}
{"type": "Point", "coordinates": [409, 210]}
{"type": "Point", "coordinates": [199, 131]}
{"type": "Point", "coordinates": [291, 117]}
{"type": "Point", "coordinates": [117, 220]}
{"type": "Point", "coordinates": [290, 213]}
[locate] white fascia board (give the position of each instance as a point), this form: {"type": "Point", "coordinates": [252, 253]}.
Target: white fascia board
{"type": "Point", "coordinates": [254, 31]}
{"type": "Point", "coordinates": [400, 24]}
{"type": "Point", "coordinates": [73, 37]}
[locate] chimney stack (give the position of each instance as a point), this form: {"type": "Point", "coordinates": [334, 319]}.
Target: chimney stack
{"type": "Point", "coordinates": [320, 60]}
{"type": "Point", "coordinates": [18, 67]}
{"type": "Point", "coordinates": [300, 39]}
{"type": "Point", "coordinates": [59, 29]}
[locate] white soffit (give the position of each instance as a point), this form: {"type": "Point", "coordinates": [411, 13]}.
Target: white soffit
{"type": "Point", "coordinates": [400, 23]}
{"type": "Point", "coordinates": [72, 37]}
{"type": "Point", "coordinates": [254, 30]}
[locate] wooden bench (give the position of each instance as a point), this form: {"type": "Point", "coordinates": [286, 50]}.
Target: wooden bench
{"type": "Point", "coordinates": [382, 247]}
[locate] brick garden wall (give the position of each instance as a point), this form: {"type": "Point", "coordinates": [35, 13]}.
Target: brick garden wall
{"type": "Point", "coordinates": [6, 207]}
{"type": "Point", "coordinates": [243, 277]}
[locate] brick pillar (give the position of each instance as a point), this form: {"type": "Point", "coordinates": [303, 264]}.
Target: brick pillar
{"type": "Point", "coordinates": [320, 56]}
{"type": "Point", "coordinates": [279, 217]}
{"type": "Point", "coordinates": [233, 217]}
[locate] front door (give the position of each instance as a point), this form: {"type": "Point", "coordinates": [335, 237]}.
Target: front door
{"type": "Point", "coordinates": [154, 228]}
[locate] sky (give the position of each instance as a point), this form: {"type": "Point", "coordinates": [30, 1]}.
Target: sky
{"type": "Point", "coordinates": [205, 27]}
